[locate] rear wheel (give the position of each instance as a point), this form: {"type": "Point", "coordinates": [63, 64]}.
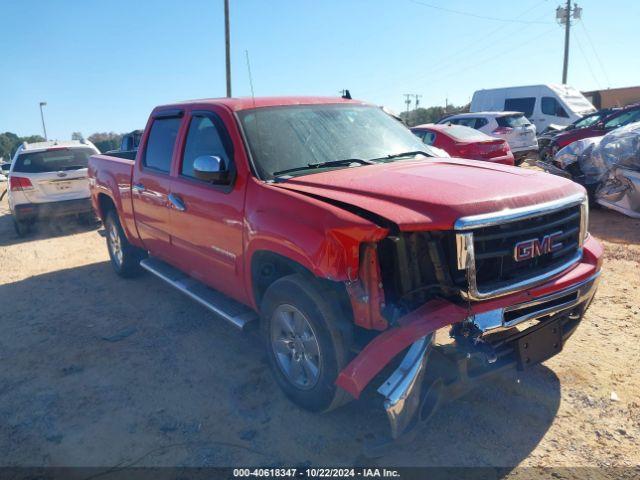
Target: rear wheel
{"type": "Point", "coordinates": [307, 341]}
{"type": "Point", "coordinates": [125, 258]}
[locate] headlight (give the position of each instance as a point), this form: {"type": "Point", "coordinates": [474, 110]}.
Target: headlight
{"type": "Point", "coordinates": [584, 220]}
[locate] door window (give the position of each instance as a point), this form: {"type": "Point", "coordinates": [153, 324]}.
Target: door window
{"type": "Point", "coordinates": [524, 105]}
{"type": "Point", "coordinates": [623, 119]}
{"type": "Point", "coordinates": [467, 122]}
{"type": "Point", "coordinates": [551, 106]}
{"type": "Point", "coordinates": [162, 138]}
{"type": "Point", "coordinates": [204, 138]}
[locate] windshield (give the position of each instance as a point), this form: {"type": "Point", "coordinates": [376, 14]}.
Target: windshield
{"type": "Point", "coordinates": [578, 104]}
{"type": "Point", "coordinates": [285, 138]}
{"type": "Point", "coordinates": [588, 121]}
{"type": "Point", "coordinates": [53, 160]}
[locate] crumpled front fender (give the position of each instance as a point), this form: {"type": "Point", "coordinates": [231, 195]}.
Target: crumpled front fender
{"type": "Point", "coordinates": [430, 317]}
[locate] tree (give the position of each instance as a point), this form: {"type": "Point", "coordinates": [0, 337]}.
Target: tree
{"type": "Point", "coordinates": [9, 143]}
{"type": "Point", "coordinates": [105, 141]}
{"type": "Point", "coordinates": [76, 136]}
{"type": "Point", "coordinates": [430, 114]}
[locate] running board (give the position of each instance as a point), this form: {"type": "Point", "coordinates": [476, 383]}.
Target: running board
{"type": "Point", "coordinates": [237, 314]}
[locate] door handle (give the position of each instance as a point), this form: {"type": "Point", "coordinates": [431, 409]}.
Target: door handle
{"type": "Point", "coordinates": [176, 202]}
{"type": "Point", "coordinates": [137, 187]}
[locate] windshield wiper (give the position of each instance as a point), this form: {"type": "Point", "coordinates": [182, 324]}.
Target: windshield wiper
{"type": "Point", "coordinates": [412, 153]}
{"type": "Point", "coordinates": [330, 163]}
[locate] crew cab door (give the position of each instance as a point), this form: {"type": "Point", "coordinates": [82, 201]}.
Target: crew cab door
{"type": "Point", "coordinates": [151, 182]}
{"type": "Point", "coordinates": [207, 218]}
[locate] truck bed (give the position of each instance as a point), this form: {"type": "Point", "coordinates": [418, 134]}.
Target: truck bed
{"type": "Point", "coordinates": [111, 176]}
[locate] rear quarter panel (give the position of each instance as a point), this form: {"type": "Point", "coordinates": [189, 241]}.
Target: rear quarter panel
{"type": "Point", "coordinates": [111, 176]}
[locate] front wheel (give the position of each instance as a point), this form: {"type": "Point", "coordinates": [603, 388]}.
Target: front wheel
{"type": "Point", "coordinates": [307, 341]}
{"type": "Point", "coordinates": [125, 258]}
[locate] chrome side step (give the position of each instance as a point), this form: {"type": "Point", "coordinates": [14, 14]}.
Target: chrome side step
{"type": "Point", "coordinates": [237, 314]}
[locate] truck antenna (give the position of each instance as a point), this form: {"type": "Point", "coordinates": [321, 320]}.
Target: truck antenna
{"type": "Point", "coordinates": [246, 53]}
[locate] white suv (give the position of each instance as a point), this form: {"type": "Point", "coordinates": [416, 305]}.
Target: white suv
{"type": "Point", "coordinates": [49, 179]}
{"type": "Point", "coordinates": [513, 127]}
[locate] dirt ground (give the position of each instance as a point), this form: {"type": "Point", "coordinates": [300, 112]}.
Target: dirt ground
{"type": "Point", "coordinates": [100, 371]}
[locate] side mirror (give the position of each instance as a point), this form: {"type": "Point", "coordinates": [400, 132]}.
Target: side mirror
{"type": "Point", "coordinates": [600, 125]}
{"type": "Point", "coordinates": [211, 169]}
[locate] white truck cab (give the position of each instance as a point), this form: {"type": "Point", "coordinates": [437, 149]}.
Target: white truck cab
{"type": "Point", "coordinates": [543, 105]}
{"type": "Point", "coordinates": [49, 179]}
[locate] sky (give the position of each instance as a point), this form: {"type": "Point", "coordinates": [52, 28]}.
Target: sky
{"type": "Point", "coordinates": [102, 65]}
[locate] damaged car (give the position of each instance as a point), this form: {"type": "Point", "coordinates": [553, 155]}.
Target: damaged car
{"type": "Point", "coordinates": [332, 228]}
{"type": "Point", "coordinates": [608, 167]}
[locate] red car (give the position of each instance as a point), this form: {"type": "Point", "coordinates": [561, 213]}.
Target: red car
{"type": "Point", "coordinates": [465, 142]}
{"type": "Point", "coordinates": [618, 118]}
{"type": "Point", "coordinates": [325, 222]}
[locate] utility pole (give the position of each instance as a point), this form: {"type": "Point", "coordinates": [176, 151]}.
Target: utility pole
{"type": "Point", "coordinates": [563, 15]}
{"type": "Point", "coordinates": [417, 99]}
{"type": "Point", "coordinates": [44, 128]}
{"type": "Point", "coordinates": [407, 101]}
{"type": "Point", "coordinates": [227, 46]}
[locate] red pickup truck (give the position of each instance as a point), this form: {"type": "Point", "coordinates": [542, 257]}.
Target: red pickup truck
{"type": "Point", "coordinates": [330, 225]}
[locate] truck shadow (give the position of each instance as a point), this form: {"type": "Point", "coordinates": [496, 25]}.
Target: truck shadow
{"type": "Point", "coordinates": [55, 227]}
{"type": "Point", "coordinates": [107, 371]}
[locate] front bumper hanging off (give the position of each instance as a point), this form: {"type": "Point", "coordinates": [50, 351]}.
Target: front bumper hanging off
{"type": "Point", "coordinates": [428, 375]}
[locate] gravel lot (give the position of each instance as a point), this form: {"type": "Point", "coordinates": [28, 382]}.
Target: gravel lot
{"type": "Point", "coordinates": [99, 371]}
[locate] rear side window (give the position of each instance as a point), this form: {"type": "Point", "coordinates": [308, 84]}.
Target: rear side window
{"type": "Point", "coordinates": [524, 105]}
{"type": "Point", "coordinates": [551, 106]}
{"type": "Point", "coordinates": [53, 160]}
{"type": "Point", "coordinates": [162, 138]}
{"type": "Point", "coordinates": [512, 121]}
{"type": "Point", "coordinates": [204, 138]}
{"type": "Point", "coordinates": [427, 137]}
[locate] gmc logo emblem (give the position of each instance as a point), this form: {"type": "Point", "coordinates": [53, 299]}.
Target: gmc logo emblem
{"type": "Point", "coordinates": [528, 249]}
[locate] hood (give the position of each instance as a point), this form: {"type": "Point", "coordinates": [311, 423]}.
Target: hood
{"type": "Point", "coordinates": [432, 194]}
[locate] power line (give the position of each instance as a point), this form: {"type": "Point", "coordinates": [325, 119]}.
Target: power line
{"type": "Point", "coordinates": [604, 71]}
{"type": "Point", "coordinates": [586, 59]}
{"type": "Point", "coordinates": [455, 57]}
{"type": "Point", "coordinates": [483, 17]}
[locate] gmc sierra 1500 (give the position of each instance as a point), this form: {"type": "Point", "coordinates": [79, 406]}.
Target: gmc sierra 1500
{"type": "Point", "coordinates": [327, 221]}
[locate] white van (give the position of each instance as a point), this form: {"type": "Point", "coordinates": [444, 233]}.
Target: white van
{"type": "Point", "coordinates": [543, 105]}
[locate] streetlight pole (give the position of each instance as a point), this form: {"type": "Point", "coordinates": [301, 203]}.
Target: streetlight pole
{"type": "Point", "coordinates": [227, 46]}
{"type": "Point", "coordinates": [44, 128]}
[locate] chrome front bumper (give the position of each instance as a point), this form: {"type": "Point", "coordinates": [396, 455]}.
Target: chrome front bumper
{"type": "Point", "coordinates": [406, 401]}
{"type": "Point", "coordinates": [503, 318]}
{"type": "Point", "coordinates": [402, 390]}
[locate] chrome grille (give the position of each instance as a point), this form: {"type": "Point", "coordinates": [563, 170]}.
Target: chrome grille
{"type": "Point", "coordinates": [495, 252]}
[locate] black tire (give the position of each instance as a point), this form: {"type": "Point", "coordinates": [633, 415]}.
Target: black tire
{"type": "Point", "coordinates": [23, 228]}
{"type": "Point", "coordinates": [320, 306]}
{"type": "Point", "coordinates": [126, 264]}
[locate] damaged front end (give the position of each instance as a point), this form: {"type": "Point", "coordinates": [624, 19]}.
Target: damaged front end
{"type": "Point", "coordinates": [401, 391]}
{"type": "Point", "coordinates": [418, 289]}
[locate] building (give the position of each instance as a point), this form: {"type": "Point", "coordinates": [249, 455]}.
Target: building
{"type": "Point", "coordinates": [613, 97]}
